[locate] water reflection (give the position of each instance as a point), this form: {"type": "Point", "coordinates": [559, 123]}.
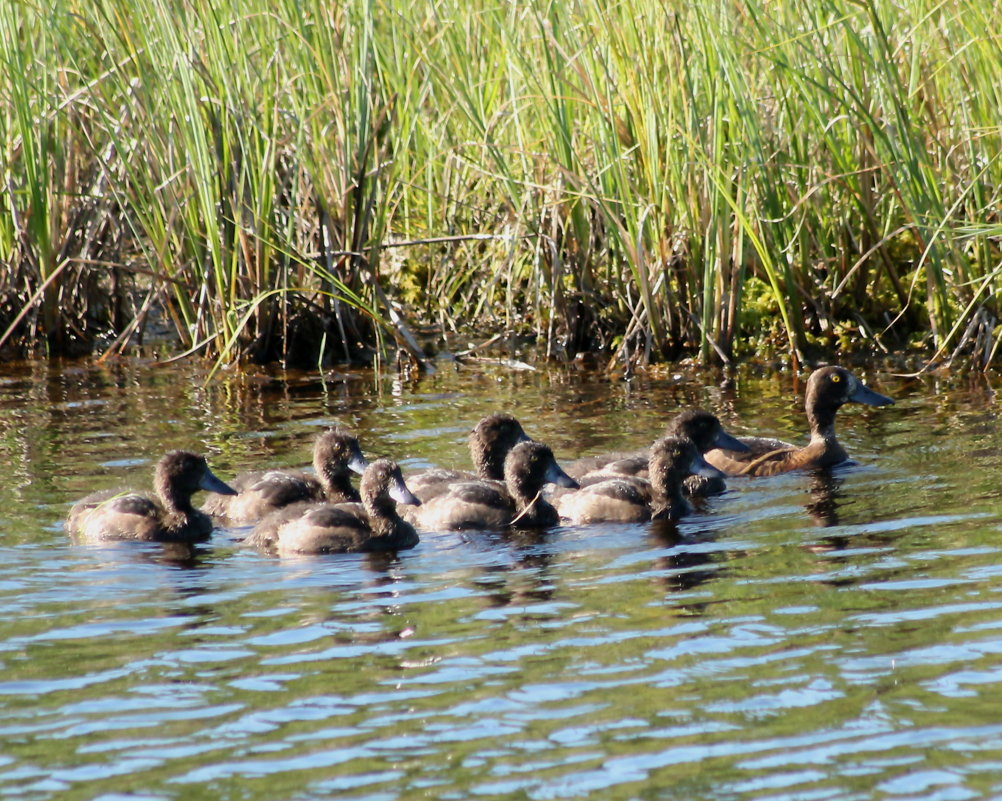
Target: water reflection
{"type": "Point", "coordinates": [183, 556]}
{"type": "Point", "coordinates": [825, 491]}
{"type": "Point", "coordinates": [689, 565]}
{"type": "Point", "coordinates": [519, 575]}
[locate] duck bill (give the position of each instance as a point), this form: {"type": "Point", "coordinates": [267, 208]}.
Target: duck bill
{"type": "Point", "coordinates": [863, 394]}
{"type": "Point", "coordinates": [556, 475]}
{"type": "Point", "coordinates": [700, 467]}
{"type": "Point", "coordinates": [400, 493]}
{"type": "Point", "coordinates": [210, 483]}
{"type": "Point", "coordinates": [357, 463]}
{"type": "Point", "coordinates": [726, 442]}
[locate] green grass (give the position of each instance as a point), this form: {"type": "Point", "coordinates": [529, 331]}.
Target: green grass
{"type": "Point", "coordinates": [652, 179]}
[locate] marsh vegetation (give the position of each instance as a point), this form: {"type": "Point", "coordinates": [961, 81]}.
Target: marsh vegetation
{"type": "Point", "coordinates": [312, 181]}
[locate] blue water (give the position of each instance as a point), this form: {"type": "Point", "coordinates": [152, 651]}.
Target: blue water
{"type": "Point", "coordinates": [803, 637]}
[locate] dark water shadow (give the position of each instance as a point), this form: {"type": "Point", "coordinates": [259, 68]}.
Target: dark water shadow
{"type": "Point", "coordinates": [689, 564]}
{"type": "Point", "coordinates": [826, 493]}
{"type": "Point", "coordinates": [521, 572]}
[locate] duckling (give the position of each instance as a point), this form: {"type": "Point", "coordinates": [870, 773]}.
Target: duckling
{"type": "Point", "coordinates": [370, 526]}
{"type": "Point", "coordinates": [698, 425]}
{"type": "Point", "coordinates": [486, 505]}
{"type": "Point", "coordinates": [631, 499]}
{"type": "Point", "coordinates": [336, 454]}
{"type": "Point", "coordinates": [490, 442]}
{"type": "Point", "coordinates": [828, 389]}
{"type": "Point", "coordinates": [168, 517]}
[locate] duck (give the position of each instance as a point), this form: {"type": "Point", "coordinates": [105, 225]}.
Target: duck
{"type": "Point", "coordinates": [703, 428]}
{"type": "Point", "coordinates": [167, 516]}
{"type": "Point", "coordinates": [490, 442]}
{"type": "Point", "coordinates": [336, 454]}
{"type": "Point", "coordinates": [369, 526]}
{"type": "Point", "coordinates": [828, 389]}
{"type": "Point", "coordinates": [486, 504]}
{"type": "Point", "coordinates": [632, 499]}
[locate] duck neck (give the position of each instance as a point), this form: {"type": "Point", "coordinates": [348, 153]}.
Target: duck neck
{"type": "Point", "coordinates": [821, 418]}
{"type": "Point", "coordinates": [531, 509]}
{"type": "Point", "coordinates": [488, 461]}
{"type": "Point", "coordinates": [523, 491]}
{"type": "Point", "coordinates": [176, 502]}
{"type": "Point", "coordinates": [382, 512]}
{"type": "Point", "coordinates": [667, 491]}
{"type": "Point", "coordinates": [337, 486]}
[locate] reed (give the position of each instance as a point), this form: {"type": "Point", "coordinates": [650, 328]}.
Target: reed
{"type": "Point", "coordinates": [297, 180]}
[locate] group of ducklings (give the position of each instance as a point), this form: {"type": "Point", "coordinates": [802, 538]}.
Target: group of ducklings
{"type": "Point", "coordinates": [294, 512]}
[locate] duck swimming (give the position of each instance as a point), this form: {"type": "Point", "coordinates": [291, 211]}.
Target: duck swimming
{"type": "Point", "coordinates": [698, 425]}
{"type": "Point", "coordinates": [631, 499]}
{"type": "Point", "coordinates": [370, 526]}
{"type": "Point", "coordinates": [336, 454]}
{"type": "Point", "coordinates": [490, 441]}
{"type": "Point", "coordinates": [168, 517]}
{"type": "Point", "coordinates": [488, 505]}
{"type": "Point", "coordinates": [828, 389]}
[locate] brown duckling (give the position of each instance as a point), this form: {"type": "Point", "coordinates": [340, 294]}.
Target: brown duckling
{"type": "Point", "coordinates": [488, 505]}
{"type": "Point", "coordinates": [698, 425]}
{"type": "Point", "coordinates": [631, 499]}
{"type": "Point", "coordinates": [828, 389]}
{"type": "Point", "coordinates": [370, 526]}
{"type": "Point", "coordinates": [490, 442]}
{"type": "Point", "coordinates": [336, 454]}
{"type": "Point", "coordinates": [168, 517]}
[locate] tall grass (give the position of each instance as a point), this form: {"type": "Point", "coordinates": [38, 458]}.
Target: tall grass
{"type": "Point", "coordinates": [299, 179]}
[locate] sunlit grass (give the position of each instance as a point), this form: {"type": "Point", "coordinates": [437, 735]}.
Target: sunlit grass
{"type": "Point", "coordinates": [710, 179]}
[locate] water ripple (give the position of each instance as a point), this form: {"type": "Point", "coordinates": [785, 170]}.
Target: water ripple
{"type": "Point", "coordinates": [802, 637]}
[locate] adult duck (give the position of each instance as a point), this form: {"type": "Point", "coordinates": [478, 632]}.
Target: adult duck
{"type": "Point", "coordinates": [336, 455]}
{"type": "Point", "coordinates": [373, 525]}
{"type": "Point", "coordinates": [490, 442]}
{"type": "Point", "coordinates": [828, 389]}
{"type": "Point", "coordinates": [518, 503]}
{"type": "Point", "coordinates": [631, 499]}
{"type": "Point", "coordinates": [167, 516]}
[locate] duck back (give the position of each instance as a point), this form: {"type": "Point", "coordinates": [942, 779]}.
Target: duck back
{"type": "Point", "coordinates": [699, 426]}
{"type": "Point", "coordinates": [336, 454]}
{"type": "Point", "coordinates": [261, 492]}
{"type": "Point", "coordinates": [828, 389]}
{"type": "Point", "coordinates": [318, 528]}
{"type": "Point", "coordinates": [168, 517]}
{"type": "Point", "coordinates": [613, 500]}
{"type": "Point", "coordinates": [490, 442]}
{"type": "Point", "coordinates": [110, 516]}
{"type": "Point", "coordinates": [491, 505]}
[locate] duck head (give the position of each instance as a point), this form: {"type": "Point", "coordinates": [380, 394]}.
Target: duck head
{"type": "Point", "coordinates": [705, 430]}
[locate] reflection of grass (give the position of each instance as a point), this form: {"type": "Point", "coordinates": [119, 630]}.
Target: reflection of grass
{"type": "Point", "coordinates": [259, 170]}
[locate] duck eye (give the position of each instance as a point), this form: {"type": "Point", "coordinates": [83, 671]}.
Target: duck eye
{"type": "Point", "coordinates": [836, 378]}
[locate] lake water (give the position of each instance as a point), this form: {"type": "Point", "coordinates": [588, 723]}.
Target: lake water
{"type": "Point", "coordinates": [804, 637]}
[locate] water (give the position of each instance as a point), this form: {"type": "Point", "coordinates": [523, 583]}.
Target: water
{"type": "Point", "coordinates": [804, 637]}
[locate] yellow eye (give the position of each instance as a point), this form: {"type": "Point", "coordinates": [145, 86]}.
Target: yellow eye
{"type": "Point", "coordinates": [836, 378]}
